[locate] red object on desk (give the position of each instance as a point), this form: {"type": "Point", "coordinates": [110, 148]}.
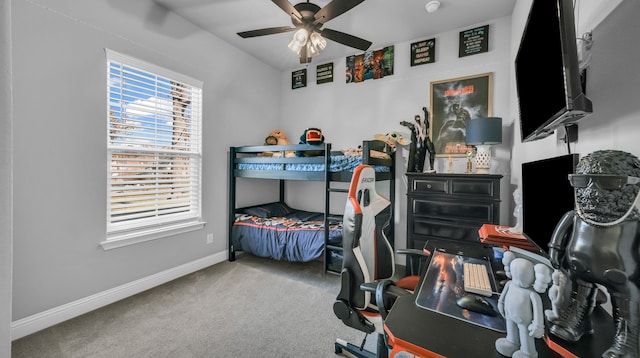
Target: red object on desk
{"type": "Point", "coordinates": [501, 236]}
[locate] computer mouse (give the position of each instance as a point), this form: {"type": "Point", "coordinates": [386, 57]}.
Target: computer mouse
{"type": "Point", "coordinates": [500, 273]}
{"type": "Point", "coordinates": [476, 304]}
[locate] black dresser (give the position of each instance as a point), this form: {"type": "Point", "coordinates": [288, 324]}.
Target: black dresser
{"type": "Point", "coordinates": [450, 206]}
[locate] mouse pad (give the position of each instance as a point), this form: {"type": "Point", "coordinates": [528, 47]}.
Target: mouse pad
{"type": "Point", "coordinates": [443, 284]}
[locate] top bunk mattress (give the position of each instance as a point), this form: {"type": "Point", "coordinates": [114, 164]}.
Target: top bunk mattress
{"type": "Point", "coordinates": [339, 163]}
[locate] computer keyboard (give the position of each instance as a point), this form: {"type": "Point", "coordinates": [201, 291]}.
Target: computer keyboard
{"type": "Point", "coordinates": [476, 279]}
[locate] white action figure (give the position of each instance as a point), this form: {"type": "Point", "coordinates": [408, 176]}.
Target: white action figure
{"type": "Point", "coordinates": [521, 306]}
{"type": "Point", "coordinates": [517, 212]}
{"type": "Point", "coordinates": [556, 295]}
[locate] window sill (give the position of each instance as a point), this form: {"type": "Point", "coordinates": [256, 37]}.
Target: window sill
{"type": "Point", "coordinates": [117, 240]}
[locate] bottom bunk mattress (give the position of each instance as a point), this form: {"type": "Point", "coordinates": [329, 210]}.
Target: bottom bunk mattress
{"type": "Point", "coordinates": [282, 234]}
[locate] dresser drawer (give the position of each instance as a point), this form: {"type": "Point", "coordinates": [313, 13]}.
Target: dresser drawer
{"type": "Point", "coordinates": [444, 230]}
{"type": "Point", "coordinates": [477, 188]}
{"type": "Point", "coordinates": [430, 186]}
{"type": "Point", "coordinates": [454, 210]}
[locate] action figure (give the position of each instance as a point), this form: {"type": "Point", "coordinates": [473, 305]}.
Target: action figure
{"type": "Point", "coordinates": [521, 306]}
{"type": "Point", "coordinates": [517, 212]}
{"type": "Point", "coordinates": [556, 295]}
{"type": "Point", "coordinates": [599, 243]}
{"type": "Point", "coordinates": [421, 144]}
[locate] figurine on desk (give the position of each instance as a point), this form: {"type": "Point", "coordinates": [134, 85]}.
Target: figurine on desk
{"type": "Point", "coordinates": [599, 243]}
{"type": "Point", "coordinates": [520, 304]}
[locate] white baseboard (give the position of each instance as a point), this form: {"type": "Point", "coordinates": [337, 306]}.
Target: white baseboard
{"type": "Point", "coordinates": [51, 317]}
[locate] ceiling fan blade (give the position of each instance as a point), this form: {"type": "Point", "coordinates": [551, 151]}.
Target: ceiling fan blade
{"type": "Point", "coordinates": [288, 8]}
{"type": "Point", "coordinates": [334, 8]}
{"type": "Point", "coordinates": [346, 39]}
{"type": "Point", "coordinates": [267, 31]}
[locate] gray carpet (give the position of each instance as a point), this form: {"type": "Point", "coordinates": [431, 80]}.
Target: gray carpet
{"type": "Point", "coordinates": [252, 307]}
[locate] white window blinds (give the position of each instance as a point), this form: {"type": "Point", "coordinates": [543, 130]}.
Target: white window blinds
{"type": "Point", "coordinates": [154, 146]}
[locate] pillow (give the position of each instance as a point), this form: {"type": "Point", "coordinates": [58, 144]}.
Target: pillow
{"type": "Point", "coordinates": [308, 215]}
{"type": "Point", "coordinates": [276, 209]}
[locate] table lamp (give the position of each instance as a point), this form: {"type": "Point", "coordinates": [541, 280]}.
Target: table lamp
{"type": "Point", "coordinates": [482, 133]}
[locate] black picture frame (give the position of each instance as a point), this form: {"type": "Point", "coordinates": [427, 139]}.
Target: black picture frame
{"type": "Point", "coordinates": [423, 52]}
{"type": "Point", "coordinates": [473, 41]}
{"type": "Point", "coordinates": [299, 78]}
{"type": "Point", "coordinates": [453, 103]}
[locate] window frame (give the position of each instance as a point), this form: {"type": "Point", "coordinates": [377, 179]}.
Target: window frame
{"type": "Point", "coordinates": [187, 155]}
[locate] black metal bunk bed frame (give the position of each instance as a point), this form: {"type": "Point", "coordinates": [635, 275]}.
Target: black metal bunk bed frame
{"type": "Point", "coordinates": [248, 154]}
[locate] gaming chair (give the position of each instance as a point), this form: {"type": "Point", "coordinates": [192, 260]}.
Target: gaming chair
{"type": "Point", "coordinates": [367, 290]}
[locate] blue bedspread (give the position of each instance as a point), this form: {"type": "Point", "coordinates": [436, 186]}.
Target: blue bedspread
{"type": "Point", "coordinates": [296, 237]}
{"type": "Point", "coordinates": [339, 163]}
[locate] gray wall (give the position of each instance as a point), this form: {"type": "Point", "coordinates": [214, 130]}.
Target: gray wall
{"type": "Point", "coordinates": [60, 134]}
{"type": "Point", "coordinates": [5, 178]}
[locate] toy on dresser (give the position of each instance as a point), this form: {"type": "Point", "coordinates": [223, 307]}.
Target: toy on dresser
{"type": "Point", "coordinates": [521, 306]}
{"type": "Point", "coordinates": [421, 144]}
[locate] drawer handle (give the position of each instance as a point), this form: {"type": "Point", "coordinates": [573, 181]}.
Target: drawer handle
{"type": "Point", "coordinates": [428, 186]}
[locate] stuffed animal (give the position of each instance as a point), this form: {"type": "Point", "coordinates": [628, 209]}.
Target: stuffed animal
{"type": "Point", "coordinates": [392, 139]}
{"type": "Point", "coordinates": [386, 144]}
{"type": "Point", "coordinates": [277, 137]}
{"type": "Point", "coordinates": [281, 137]}
{"type": "Point", "coordinates": [311, 136]}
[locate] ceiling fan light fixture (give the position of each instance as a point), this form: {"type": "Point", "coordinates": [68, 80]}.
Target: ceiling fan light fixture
{"type": "Point", "coordinates": [307, 19]}
{"type": "Point", "coordinates": [318, 41]}
{"type": "Point", "coordinates": [316, 44]}
{"type": "Point", "coordinates": [299, 40]}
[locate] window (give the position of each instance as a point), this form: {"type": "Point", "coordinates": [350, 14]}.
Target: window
{"type": "Point", "coordinates": [154, 146]}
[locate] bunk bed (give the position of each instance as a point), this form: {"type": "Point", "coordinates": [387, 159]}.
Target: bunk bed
{"type": "Point", "coordinates": [274, 229]}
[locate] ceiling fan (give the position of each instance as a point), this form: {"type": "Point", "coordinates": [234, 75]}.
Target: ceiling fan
{"type": "Point", "coordinates": [308, 19]}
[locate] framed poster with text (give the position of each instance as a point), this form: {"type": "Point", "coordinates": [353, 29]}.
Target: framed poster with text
{"type": "Point", "coordinates": [423, 52]}
{"type": "Point", "coordinates": [474, 41]}
{"type": "Point", "coordinates": [324, 73]}
{"type": "Point", "coordinates": [453, 103]}
{"type": "Point", "coordinates": [299, 78]}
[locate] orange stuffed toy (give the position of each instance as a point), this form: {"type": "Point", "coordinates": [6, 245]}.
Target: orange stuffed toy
{"type": "Point", "coordinates": [278, 137]}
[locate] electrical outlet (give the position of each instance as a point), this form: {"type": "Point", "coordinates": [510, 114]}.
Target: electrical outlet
{"type": "Point", "coordinates": [209, 238]}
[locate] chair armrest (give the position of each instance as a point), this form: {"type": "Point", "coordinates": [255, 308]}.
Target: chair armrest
{"type": "Point", "coordinates": [415, 260]}
{"type": "Point", "coordinates": [368, 286]}
{"type": "Point", "coordinates": [390, 290]}
{"type": "Point", "coordinates": [412, 252]}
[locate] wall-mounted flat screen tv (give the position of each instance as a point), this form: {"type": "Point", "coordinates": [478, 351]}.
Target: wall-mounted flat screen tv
{"type": "Point", "coordinates": [546, 196]}
{"type": "Point", "coordinates": [549, 87]}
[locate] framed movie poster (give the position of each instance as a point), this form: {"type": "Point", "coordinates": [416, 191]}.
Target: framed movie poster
{"type": "Point", "coordinates": [453, 103]}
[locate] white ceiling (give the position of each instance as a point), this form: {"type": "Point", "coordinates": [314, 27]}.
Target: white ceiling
{"type": "Point", "coordinates": [383, 22]}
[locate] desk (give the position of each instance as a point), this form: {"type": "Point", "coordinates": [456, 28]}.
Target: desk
{"type": "Point", "coordinates": [427, 333]}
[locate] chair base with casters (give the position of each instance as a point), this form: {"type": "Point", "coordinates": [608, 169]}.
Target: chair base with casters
{"type": "Point", "coordinates": [367, 290]}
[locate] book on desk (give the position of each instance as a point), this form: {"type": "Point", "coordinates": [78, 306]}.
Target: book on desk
{"type": "Point", "coordinates": [501, 236]}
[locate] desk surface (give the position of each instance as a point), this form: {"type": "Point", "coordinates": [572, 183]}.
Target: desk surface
{"type": "Point", "coordinates": [427, 333]}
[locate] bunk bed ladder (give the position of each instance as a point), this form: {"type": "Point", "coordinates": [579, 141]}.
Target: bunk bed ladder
{"type": "Point", "coordinates": [328, 217]}
{"type": "Point", "coordinates": [231, 201]}
{"type": "Point", "coordinates": [327, 204]}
